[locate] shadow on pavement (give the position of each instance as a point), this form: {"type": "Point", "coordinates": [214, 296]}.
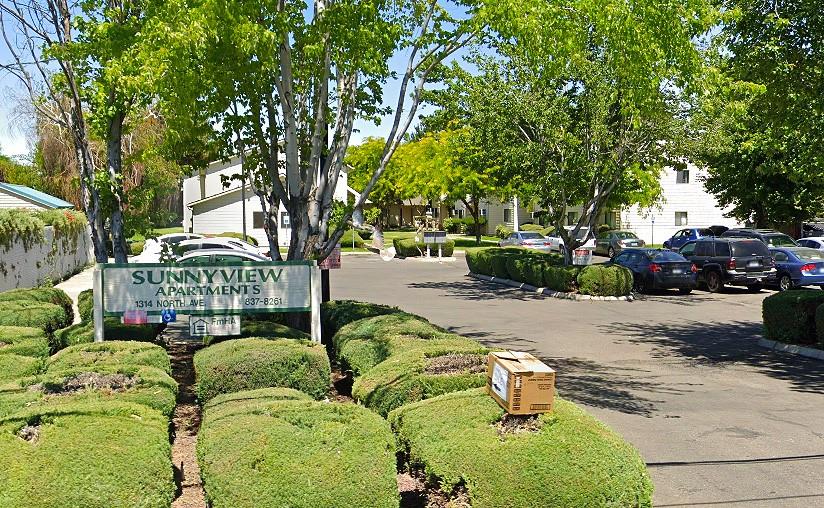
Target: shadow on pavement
{"type": "Point", "coordinates": [718, 343]}
{"type": "Point", "coordinates": [477, 290]}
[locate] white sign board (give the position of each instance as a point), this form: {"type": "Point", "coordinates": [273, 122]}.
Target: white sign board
{"type": "Point", "coordinates": [156, 289]}
{"type": "Point", "coordinates": [201, 326]}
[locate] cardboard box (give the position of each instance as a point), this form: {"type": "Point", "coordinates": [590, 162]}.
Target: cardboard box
{"type": "Point", "coordinates": [520, 383]}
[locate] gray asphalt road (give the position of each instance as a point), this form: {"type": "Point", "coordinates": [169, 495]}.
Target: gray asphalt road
{"type": "Point", "coordinates": [720, 421]}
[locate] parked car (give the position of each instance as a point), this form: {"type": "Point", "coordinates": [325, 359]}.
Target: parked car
{"type": "Point", "coordinates": [814, 242]}
{"type": "Point", "coordinates": [153, 247]}
{"type": "Point", "coordinates": [526, 239]}
{"type": "Point", "coordinates": [215, 243]}
{"type": "Point", "coordinates": [798, 266]}
{"type": "Point", "coordinates": [769, 236]}
{"type": "Point", "coordinates": [718, 230]}
{"type": "Point", "coordinates": [610, 243]}
{"type": "Point", "coordinates": [677, 240]}
{"type": "Point", "coordinates": [556, 243]}
{"type": "Point", "coordinates": [659, 269]}
{"type": "Point", "coordinates": [733, 261]}
{"type": "Point", "coordinates": [219, 256]}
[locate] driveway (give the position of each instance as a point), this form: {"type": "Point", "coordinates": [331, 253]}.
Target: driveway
{"type": "Point", "coordinates": [720, 421]}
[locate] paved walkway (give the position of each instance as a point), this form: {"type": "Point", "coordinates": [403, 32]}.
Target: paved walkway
{"type": "Point", "coordinates": [720, 421]}
{"type": "Point", "coordinates": [75, 284]}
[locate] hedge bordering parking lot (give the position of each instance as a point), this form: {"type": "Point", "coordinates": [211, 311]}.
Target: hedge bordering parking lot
{"type": "Point", "coordinates": [790, 316]}
{"type": "Point", "coordinates": [337, 313]}
{"type": "Point", "coordinates": [41, 295]}
{"type": "Point", "coordinates": [257, 451]}
{"type": "Point", "coordinates": [564, 458]}
{"type": "Point", "coordinates": [409, 248]}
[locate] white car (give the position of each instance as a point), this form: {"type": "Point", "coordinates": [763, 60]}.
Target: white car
{"type": "Point", "coordinates": [556, 243]}
{"type": "Point", "coordinates": [527, 239]}
{"type": "Point", "coordinates": [153, 247]}
{"type": "Point", "coordinates": [220, 256]}
{"type": "Point", "coordinates": [215, 243]}
{"type": "Point", "coordinates": [812, 242]}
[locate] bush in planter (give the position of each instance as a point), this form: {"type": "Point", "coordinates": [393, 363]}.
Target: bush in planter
{"type": "Point", "coordinates": [337, 313]}
{"type": "Point", "coordinates": [85, 305]}
{"type": "Point", "coordinates": [278, 452]}
{"type": "Point", "coordinates": [41, 295]}
{"type": "Point", "coordinates": [246, 364]}
{"type": "Point", "coordinates": [408, 247]}
{"type": "Point", "coordinates": [571, 460]}
{"type": "Point", "coordinates": [123, 447]}
{"type": "Point", "coordinates": [605, 280]}
{"type": "Point", "coordinates": [407, 376]}
{"type": "Point", "coordinates": [790, 316]}
{"type": "Point", "coordinates": [46, 316]}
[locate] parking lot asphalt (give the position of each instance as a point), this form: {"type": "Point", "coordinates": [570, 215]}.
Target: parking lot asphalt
{"type": "Point", "coordinates": [720, 421]}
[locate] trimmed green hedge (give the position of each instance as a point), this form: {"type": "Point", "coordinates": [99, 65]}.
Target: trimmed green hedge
{"type": "Point", "coordinates": [409, 248]}
{"type": "Point", "coordinates": [88, 454]}
{"type": "Point", "coordinates": [572, 460]}
{"type": "Point", "coordinates": [41, 295]}
{"type": "Point", "coordinates": [113, 329]}
{"type": "Point", "coordinates": [245, 364]}
{"type": "Point", "coordinates": [46, 316]}
{"type": "Point", "coordinates": [261, 329]}
{"type": "Point", "coordinates": [266, 452]}
{"type": "Point", "coordinates": [531, 227]}
{"type": "Point", "coordinates": [85, 304]}
{"type": "Point", "coordinates": [346, 239]}
{"type": "Point", "coordinates": [605, 280]}
{"type": "Point", "coordinates": [819, 324]}
{"type": "Point", "coordinates": [25, 341]}
{"type": "Point", "coordinates": [790, 316]}
{"type": "Point", "coordinates": [110, 353]}
{"type": "Point", "coordinates": [402, 378]}
{"type": "Point", "coordinates": [561, 278]}
{"type": "Point", "coordinates": [383, 325]}
{"type": "Point", "coordinates": [337, 313]}
{"type": "Point", "coordinates": [14, 366]}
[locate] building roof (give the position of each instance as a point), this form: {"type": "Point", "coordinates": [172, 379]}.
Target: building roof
{"type": "Point", "coordinates": [40, 198]}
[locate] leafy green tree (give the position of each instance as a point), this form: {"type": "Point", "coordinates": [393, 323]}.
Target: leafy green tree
{"type": "Point", "coordinates": [762, 126]}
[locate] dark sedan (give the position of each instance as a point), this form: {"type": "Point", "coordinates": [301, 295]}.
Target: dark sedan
{"type": "Point", "coordinates": [659, 269]}
{"type": "Point", "coordinates": [798, 266]}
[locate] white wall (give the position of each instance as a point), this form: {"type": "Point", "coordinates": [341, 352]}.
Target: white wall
{"type": "Point", "coordinates": [702, 209]}
{"type": "Point", "coordinates": [21, 268]}
{"type": "Point", "coordinates": [8, 200]}
{"type": "Point", "coordinates": [225, 214]}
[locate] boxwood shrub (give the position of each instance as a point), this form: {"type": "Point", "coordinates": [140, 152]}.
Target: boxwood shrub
{"type": "Point", "coordinates": [87, 453]}
{"type": "Point", "coordinates": [561, 278]}
{"type": "Point", "coordinates": [264, 452]}
{"type": "Point", "coordinates": [113, 329]}
{"type": "Point", "coordinates": [45, 316]}
{"type": "Point", "coordinates": [605, 280]}
{"type": "Point", "coordinates": [409, 248]}
{"type": "Point", "coordinates": [20, 340]}
{"type": "Point", "coordinates": [403, 378]}
{"type": "Point", "coordinates": [261, 329]}
{"type": "Point", "coordinates": [41, 295]}
{"type": "Point", "coordinates": [346, 239]}
{"type": "Point", "coordinates": [14, 366]}
{"type": "Point", "coordinates": [85, 304]}
{"type": "Point", "coordinates": [337, 313]}
{"type": "Point", "coordinates": [571, 460]}
{"type": "Point", "coordinates": [245, 364]}
{"type": "Point", "coordinates": [399, 323]}
{"type": "Point", "coordinates": [110, 353]}
{"type": "Point", "coordinates": [790, 316]}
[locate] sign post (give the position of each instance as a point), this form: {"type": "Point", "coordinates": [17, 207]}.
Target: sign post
{"type": "Point", "coordinates": [434, 238]}
{"type": "Point", "coordinates": [163, 291]}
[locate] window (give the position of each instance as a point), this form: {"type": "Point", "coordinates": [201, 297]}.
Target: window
{"type": "Point", "coordinates": [722, 249]}
{"type": "Point", "coordinates": [257, 220]}
{"type": "Point", "coordinates": [680, 218]}
{"type": "Point", "coordinates": [484, 212]}
{"type": "Point", "coordinates": [228, 258]}
{"type": "Point", "coordinates": [284, 220]}
{"type": "Point", "coordinates": [682, 176]}
{"type": "Point", "coordinates": [622, 258]}
{"type": "Point", "coordinates": [436, 212]}
{"type": "Point", "coordinates": [704, 249]}
{"type": "Point", "coordinates": [688, 249]}
{"type": "Point", "coordinates": [750, 248]}
{"type": "Point", "coordinates": [572, 218]}
{"type": "Point", "coordinates": [507, 215]}
{"type": "Point", "coordinates": [780, 257]}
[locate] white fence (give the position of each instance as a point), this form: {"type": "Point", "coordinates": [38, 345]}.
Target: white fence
{"type": "Point", "coordinates": [53, 259]}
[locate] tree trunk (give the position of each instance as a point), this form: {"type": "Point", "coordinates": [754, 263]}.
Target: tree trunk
{"type": "Point", "coordinates": [114, 163]}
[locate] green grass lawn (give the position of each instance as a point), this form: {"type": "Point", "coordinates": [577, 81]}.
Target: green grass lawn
{"type": "Point", "coordinates": [461, 241]}
{"type": "Point", "coordinates": [137, 237]}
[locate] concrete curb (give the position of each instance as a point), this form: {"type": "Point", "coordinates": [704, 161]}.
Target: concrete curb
{"type": "Point", "coordinates": [793, 349]}
{"type": "Point", "coordinates": [549, 292]}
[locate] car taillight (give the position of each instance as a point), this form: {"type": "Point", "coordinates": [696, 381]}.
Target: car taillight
{"type": "Point", "coordinates": [547, 243]}
{"type": "Point", "coordinates": [654, 268]}
{"type": "Point", "coordinates": [731, 264]}
{"type": "Point", "coordinates": [693, 268]}
{"type": "Point", "coordinates": [809, 267]}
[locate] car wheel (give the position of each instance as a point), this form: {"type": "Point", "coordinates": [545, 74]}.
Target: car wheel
{"type": "Point", "coordinates": [684, 291]}
{"type": "Point", "coordinates": [785, 282]}
{"type": "Point", "coordinates": [611, 252]}
{"type": "Point", "coordinates": [754, 288]}
{"type": "Point", "coordinates": [714, 283]}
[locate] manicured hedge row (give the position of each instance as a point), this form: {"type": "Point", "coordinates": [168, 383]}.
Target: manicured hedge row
{"type": "Point", "coordinates": [409, 248]}
{"type": "Point", "coordinates": [261, 449]}
{"type": "Point", "coordinates": [570, 460]}
{"type": "Point", "coordinates": [246, 364]}
{"type": "Point", "coordinates": [85, 304]}
{"type": "Point", "coordinates": [113, 329]}
{"type": "Point", "coordinates": [45, 316]}
{"type": "Point", "coordinates": [337, 313]}
{"type": "Point", "coordinates": [548, 270]}
{"type": "Point", "coordinates": [110, 353]}
{"type": "Point", "coordinates": [261, 329]}
{"type": "Point", "coordinates": [42, 295]}
{"type": "Point", "coordinates": [790, 316]}
{"type": "Point", "coordinates": [86, 453]}
{"type": "Point", "coordinates": [23, 351]}
{"type": "Point", "coordinates": [377, 327]}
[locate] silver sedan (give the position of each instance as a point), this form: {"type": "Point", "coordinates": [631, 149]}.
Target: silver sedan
{"type": "Point", "coordinates": [526, 239]}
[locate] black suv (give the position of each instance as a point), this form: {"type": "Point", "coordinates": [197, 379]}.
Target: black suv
{"type": "Point", "coordinates": [770, 237]}
{"type": "Point", "coordinates": [734, 261]}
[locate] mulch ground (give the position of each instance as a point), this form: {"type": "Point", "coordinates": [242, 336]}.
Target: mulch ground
{"type": "Point", "coordinates": [456, 363]}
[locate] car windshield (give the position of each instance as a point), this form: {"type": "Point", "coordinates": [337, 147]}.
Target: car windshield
{"type": "Point", "coordinates": [779, 240]}
{"type": "Point", "coordinates": [624, 235]}
{"type": "Point", "coordinates": [531, 236]}
{"type": "Point", "coordinates": [749, 248]}
{"type": "Point", "coordinates": [666, 255]}
{"type": "Point", "coordinates": [809, 254]}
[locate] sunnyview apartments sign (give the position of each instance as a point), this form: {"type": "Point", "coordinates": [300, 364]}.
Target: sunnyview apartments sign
{"type": "Point", "coordinates": [208, 289]}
